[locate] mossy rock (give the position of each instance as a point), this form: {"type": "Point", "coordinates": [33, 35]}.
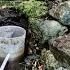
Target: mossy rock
{"type": "Point", "coordinates": [62, 13]}
{"type": "Point", "coordinates": [46, 29]}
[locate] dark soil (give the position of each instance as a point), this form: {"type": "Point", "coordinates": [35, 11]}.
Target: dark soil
{"type": "Point", "coordinates": [11, 16]}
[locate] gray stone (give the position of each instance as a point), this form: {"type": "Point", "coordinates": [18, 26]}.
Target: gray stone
{"type": "Point", "coordinates": [62, 13]}
{"type": "Point", "coordinates": [49, 60]}
{"type": "Point", "coordinates": [45, 30]}
{"type": "Point", "coordinates": [60, 47]}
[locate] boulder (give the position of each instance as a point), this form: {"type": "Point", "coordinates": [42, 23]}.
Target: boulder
{"type": "Point", "coordinates": [60, 47]}
{"type": "Point", "coordinates": [62, 13]}
{"type": "Point", "coordinates": [49, 60]}
{"type": "Point", "coordinates": [45, 30]}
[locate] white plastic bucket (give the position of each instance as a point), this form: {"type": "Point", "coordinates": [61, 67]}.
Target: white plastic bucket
{"type": "Point", "coordinates": [12, 40]}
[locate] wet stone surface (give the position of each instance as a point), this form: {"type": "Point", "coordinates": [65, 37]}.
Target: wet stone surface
{"type": "Point", "coordinates": [60, 47]}
{"type": "Point", "coordinates": [61, 13]}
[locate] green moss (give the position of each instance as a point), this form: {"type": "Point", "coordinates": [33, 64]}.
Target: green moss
{"type": "Point", "coordinates": [9, 3]}
{"type": "Point", "coordinates": [33, 8]}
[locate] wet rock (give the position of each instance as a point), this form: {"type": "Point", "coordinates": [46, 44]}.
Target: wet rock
{"type": "Point", "coordinates": [45, 30]}
{"type": "Point", "coordinates": [49, 60]}
{"type": "Point", "coordinates": [60, 47]}
{"type": "Point", "coordinates": [62, 13]}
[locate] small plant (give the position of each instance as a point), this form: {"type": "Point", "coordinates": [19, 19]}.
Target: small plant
{"type": "Point", "coordinates": [33, 9]}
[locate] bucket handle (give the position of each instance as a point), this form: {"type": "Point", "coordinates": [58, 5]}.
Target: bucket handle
{"type": "Point", "coordinates": [5, 62]}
